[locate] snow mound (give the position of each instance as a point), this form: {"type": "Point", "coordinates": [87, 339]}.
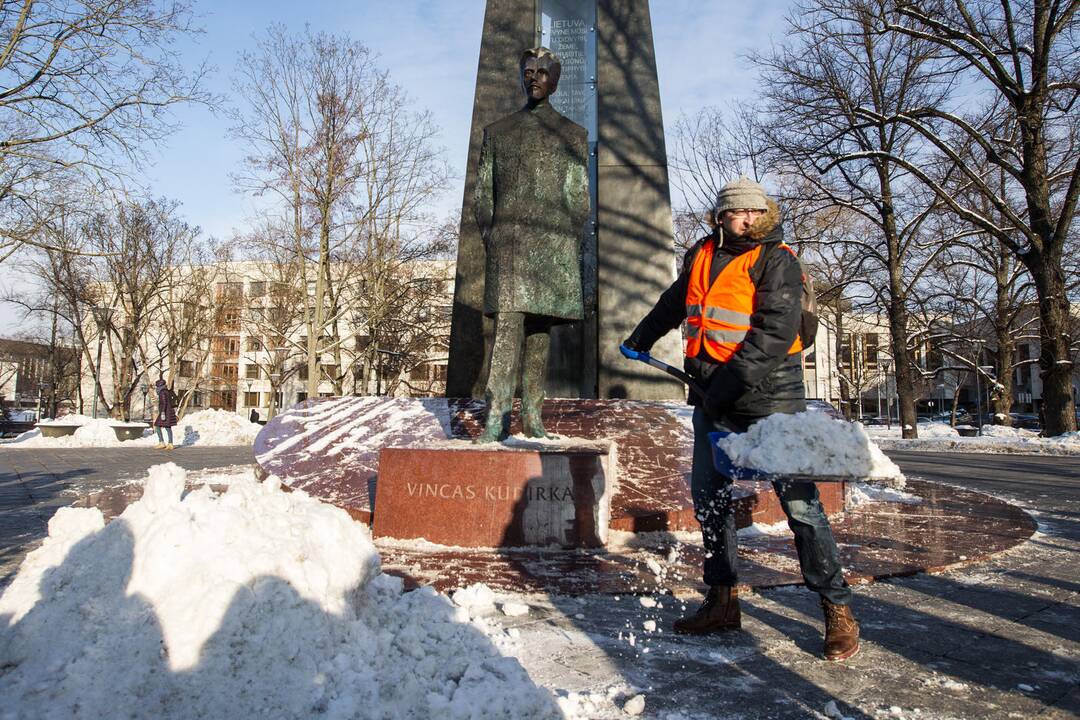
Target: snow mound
{"type": "Point", "coordinates": [861, 494]}
{"type": "Point", "coordinates": [1005, 431]}
{"type": "Point", "coordinates": [69, 419]}
{"type": "Point", "coordinates": [205, 428]}
{"type": "Point", "coordinates": [253, 603]}
{"type": "Point", "coordinates": [809, 443]}
{"type": "Point", "coordinates": [216, 427]}
{"type": "Point", "coordinates": [937, 430]}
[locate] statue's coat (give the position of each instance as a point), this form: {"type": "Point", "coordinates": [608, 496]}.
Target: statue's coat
{"type": "Point", "coordinates": [532, 201]}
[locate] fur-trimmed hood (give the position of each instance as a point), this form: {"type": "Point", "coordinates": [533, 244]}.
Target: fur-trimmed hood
{"type": "Point", "coordinates": [759, 231]}
{"type": "Point", "coordinates": [765, 224]}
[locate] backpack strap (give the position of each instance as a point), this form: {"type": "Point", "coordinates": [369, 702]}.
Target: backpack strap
{"type": "Point", "coordinates": [757, 270]}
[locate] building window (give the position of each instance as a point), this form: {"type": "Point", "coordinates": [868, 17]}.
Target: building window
{"type": "Point", "coordinates": [223, 399]}
{"type": "Point", "coordinates": [251, 372]}
{"type": "Point", "coordinates": [810, 360]}
{"type": "Point", "coordinates": [362, 342]}
{"type": "Point", "coordinates": [254, 344]}
{"type": "Point", "coordinates": [870, 350]}
{"type": "Point", "coordinates": [256, 289]}
{"type": "Point", "coordinates": [440, 373]}
{"type": "Point", "coordinates": [230, 290]}
{"type": "Point", "coordinates": [301, 397]}
{"type": "Point", "coordinates": [303, 372]}
{"type": "Point", "coordinates": [187, 368]}
{"type": "Point", "coordinates": [846, 359]}
{"type": "Point", "coordinates": [420, 372]}
{"type": "Point", "coordinates": [330, 372]}
{"type": "Point", "coordinates": [251, 399]}
{"type": "Point", "coordinates": [226, 371]}
{"type": "Point", "coordinates": [196, 398]}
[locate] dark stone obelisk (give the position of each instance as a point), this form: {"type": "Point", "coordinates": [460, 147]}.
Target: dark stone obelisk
{"type": "Point", "coordinates": [629, 259]}
{"type": "Point", "coordinates": [509, 28]}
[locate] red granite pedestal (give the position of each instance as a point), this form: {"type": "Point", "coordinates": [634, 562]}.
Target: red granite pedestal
{"type": "Point", "coordinates": [530, 494]}
{"type": "Point", "coordinates": [331, 447]}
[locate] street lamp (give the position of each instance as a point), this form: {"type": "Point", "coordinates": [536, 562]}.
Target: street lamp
{"type": "Point", "coordinates": [102, 315]}
{"type": "Point", "coordinates": [145, 387]}
{"type": "Point", "coordinates": [886, 365]}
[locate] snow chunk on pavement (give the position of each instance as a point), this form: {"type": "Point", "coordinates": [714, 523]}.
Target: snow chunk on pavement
{"type": "Point", "coordinates": [635, 705]}
{"type": "Point", "coordinates": [515, 609]}
{"type": "Point", "coordinates": [205, 428]}
{"type": "Point", "coordinates": [476, 598]}
{"type": "Point", "coordinates": [253, 603]}
{"type": "Point", "coordinates": [809, 443]}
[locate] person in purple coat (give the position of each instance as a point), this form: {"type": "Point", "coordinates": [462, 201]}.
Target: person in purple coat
{"type": "Point", "coordinates": [166, 415]}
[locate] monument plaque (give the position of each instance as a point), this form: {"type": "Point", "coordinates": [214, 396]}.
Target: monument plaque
{"type": "Point", "coordinates": [531, 495]}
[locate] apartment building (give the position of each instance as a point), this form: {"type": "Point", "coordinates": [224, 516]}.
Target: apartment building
{"type": "Point", "coordinates": [250, 355]}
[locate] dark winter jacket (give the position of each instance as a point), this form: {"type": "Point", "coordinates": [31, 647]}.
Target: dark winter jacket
{"type": "Point", "coordinates": [166, 415]}
{"type": "Point", "coordinates": [761, 378]}
{"type": "Point", "coordinates": [532, 201]}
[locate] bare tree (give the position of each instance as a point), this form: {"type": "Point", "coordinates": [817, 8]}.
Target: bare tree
{"type": "Point", "coordinates": [714, 147]}
{"type": "Point", "coordinates": [1021, 61]}
{"type": "Point", "coordinates": [837, 61]}
{"type": "Point", "coordinates": [337, 145]}
{"type": "Point", "coordinates": [144, 243]}
{"type": "Point", "coordinates": [85, 86]}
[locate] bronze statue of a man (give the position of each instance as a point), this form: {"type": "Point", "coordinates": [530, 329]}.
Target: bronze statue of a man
{"type": "Point", "coordinates": [532, 200]}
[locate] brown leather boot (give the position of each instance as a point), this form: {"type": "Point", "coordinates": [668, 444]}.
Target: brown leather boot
{"type": "Point", "coordinates": [841, 631]}
{"type": "Point", "coordinates": [719, 613]}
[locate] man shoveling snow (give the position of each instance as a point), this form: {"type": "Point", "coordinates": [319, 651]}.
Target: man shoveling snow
{"type": "Point", "coordinates": [740, 291]}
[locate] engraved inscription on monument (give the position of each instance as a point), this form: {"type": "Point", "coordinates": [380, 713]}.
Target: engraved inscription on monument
{"type": "Point", "coordinates": [538, 495]}
{"type": "Point", "coordinates": [568, 27]}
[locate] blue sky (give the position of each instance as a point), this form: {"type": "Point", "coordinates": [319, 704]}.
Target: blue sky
{"type": "Point", "coordinates": [430, 48]}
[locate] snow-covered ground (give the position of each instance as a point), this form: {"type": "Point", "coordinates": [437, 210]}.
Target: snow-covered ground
{"type": "Point", "coordinates": [205, 427]}
{"type": "Point", "coordinates": [940, 437]}
{"type": "Point", "coordinates": [253, 603]}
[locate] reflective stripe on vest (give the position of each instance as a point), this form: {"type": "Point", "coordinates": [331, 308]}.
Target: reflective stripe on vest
{"type": "Point", "coordinates": [722, 309]}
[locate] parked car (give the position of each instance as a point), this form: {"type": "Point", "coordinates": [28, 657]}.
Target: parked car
{"type": "Point", "coordinates": [822, 406]}
{"type": "Point", "coordinates": [1025, 421]}
{"type": "Point", "coordinates": [876, 420]}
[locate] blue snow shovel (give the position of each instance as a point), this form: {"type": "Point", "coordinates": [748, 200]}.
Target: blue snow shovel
{"type": "Point", "coordinates": [674, 372]}
{"type": "Point", "coordinates": [721, 461]}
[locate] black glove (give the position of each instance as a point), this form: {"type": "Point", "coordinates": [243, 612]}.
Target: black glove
{"type": "Point", "coordinates": [717, 401]}
{"type": "Point", "coordinates": [636, 343]}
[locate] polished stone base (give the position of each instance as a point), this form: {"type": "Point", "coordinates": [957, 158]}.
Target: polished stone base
{"type": "Point", "coordinates": [950, 528]}
{"type": "Point", "coordinates": [493, 495]}
{"type": "Point", "coordinates": [330, 449]}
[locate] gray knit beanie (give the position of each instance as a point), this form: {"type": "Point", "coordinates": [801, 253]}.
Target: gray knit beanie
{"type": "Point", "coordinates": [741, 194]}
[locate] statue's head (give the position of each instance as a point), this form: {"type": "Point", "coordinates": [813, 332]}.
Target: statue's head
{"type": "Point", "coordinates": [540, 70]}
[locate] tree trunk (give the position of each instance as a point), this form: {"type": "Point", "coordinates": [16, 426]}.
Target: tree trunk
{"type": "Point", "coordinates": [897, 310]}
{"type": "Point", "coordinates": [1055, 361]}
{"type": "Point", "coordinates": [1001, 394]}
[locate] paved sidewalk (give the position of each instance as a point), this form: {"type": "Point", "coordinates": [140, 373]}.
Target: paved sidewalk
{"type": "Point", "coordinates": [998, 640]}
{"type": "Point", "coordinates": [34, 483]}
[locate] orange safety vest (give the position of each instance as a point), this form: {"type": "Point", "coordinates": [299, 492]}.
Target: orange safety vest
{"type": "Point", "coordinates": [719, 316]}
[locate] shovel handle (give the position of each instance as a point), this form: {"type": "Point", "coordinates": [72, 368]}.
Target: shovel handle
{"type": "Point", "coordinates": [661, 365]}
